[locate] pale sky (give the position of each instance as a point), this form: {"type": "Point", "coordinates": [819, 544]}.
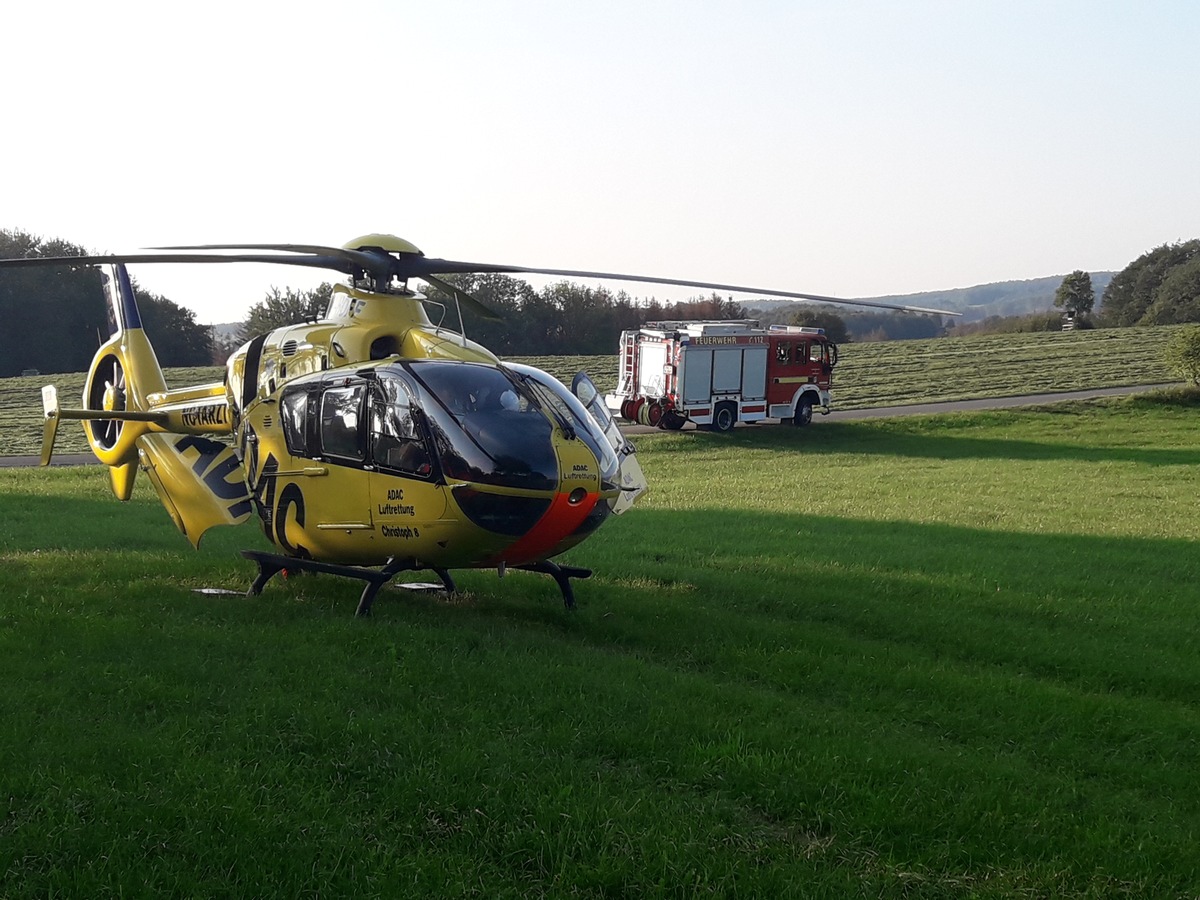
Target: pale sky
{"type": "Point", "coordinates": [846, 148]}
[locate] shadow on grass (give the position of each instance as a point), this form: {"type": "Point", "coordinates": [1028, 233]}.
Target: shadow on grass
{"type": "Point", "coordinates": [957, 446]}
{"type": "Point", "coordinates": [1116, 611]}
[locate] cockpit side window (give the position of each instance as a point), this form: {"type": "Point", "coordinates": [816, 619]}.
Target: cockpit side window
{"type": "Point", "coordinates": [293, 408]}
{"type": "Point", "coordinates": [396, 441]}
{"type": "Point", "coordinates": [341, 421]}
{"type": "Point", "coordinates": [572, 414]}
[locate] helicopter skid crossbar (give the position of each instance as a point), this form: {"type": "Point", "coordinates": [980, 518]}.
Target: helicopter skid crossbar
{"type": "Point", "coordinates": [271, 564]}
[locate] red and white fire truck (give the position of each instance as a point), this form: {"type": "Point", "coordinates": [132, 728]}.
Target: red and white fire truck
{"type": "Point", "coordinates": [719, 373]}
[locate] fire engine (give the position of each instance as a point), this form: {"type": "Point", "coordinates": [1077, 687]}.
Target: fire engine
{"type": "Point", "coordinates": [719, 373]}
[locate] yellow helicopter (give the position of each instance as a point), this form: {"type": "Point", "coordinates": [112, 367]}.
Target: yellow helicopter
{"type": "Point", "coordinates": [372, 442]}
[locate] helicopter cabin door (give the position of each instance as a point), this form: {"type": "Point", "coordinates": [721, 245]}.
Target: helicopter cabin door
{"type": "Point", "coordinates": [377, 490]}
{"type": "Point", "coordinates": [407, 503]}
{"type": "Point", "coordinates": [341, 514]}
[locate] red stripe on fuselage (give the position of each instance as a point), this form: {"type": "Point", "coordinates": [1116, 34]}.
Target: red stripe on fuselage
{"type": "Point", "coordinates": [560, 520]}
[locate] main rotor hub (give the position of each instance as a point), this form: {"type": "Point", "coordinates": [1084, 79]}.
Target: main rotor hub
{"type": "Point", "coordinates": [387, 242]}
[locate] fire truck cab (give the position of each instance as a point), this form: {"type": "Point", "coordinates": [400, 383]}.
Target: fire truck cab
{"type": "Point", "coordinates": [719, 373]}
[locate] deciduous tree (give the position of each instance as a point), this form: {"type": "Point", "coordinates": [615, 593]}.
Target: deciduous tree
{"type": "Point", "coordinates": [54, 318]}
{"type": "Point", "coordinates": [1177, 298]}
{"type": "Point", "coordinates": [1075, 295]}
{"type": "Point", "coordinates": [288, 307]}
{"type": "Point", "coordinates": [178, 339]}
{"type": "Point", "coordinates": [1130, 294]}
{"type": "Point", "coordinates": [821, 317]}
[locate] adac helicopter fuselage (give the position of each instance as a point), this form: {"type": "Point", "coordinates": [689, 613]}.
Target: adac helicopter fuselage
{"type": "Point", "coordinates": [369, 436]}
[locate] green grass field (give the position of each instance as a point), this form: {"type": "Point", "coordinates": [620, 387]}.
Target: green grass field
{"type": "Point", "coordinates": [934, 657]}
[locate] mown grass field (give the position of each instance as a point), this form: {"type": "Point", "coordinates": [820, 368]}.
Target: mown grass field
{"type": "Point", "coordinates": [934, 657]}
{"type": "Point", "coordinates": [871, 374]}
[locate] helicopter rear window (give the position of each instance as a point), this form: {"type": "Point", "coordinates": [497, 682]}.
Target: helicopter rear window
{"type": "Point", "coordinates": [341, 409]}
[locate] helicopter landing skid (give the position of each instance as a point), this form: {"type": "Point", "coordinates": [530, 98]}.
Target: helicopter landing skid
{"type": "Point", "coordinates": [271, 564]}
{"type": "Point", "coordinates": [562, 575]}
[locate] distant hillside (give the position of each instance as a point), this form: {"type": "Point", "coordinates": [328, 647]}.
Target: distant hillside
{"type": "Point", "coordinates": [1002, 298]}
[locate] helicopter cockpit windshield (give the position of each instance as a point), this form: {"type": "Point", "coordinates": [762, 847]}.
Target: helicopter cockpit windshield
{"type": "Point", "coordinates": [484, 427]}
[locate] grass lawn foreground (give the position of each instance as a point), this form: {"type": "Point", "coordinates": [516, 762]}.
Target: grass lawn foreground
{"type": "Point", "coordinates": [949, 656]}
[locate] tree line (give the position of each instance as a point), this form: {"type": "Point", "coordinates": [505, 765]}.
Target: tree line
{"type": "Point", "coordinates": [561, 319]}
{"type": "Point", "coordinates": [55, 318]}
{"type": "Point", "coordinates": [1160, 287]}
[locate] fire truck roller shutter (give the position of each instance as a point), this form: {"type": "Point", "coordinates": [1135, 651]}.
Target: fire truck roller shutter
{"type": "Point", "coordinates": [697, 377]}
{"type": "Point", "coordinates": [727, 370]}
{"type": "Point", "coordinates": [754, 373]}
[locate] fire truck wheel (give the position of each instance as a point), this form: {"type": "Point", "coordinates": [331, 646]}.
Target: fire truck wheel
{"type": "Point", "coordinates": [724, 417]}
{"type": "Point", "coordinates": [803, 412]}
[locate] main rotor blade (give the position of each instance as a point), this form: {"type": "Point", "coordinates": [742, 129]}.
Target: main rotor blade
{"type": "Point", "coordinates": [288, 248]}
{"type": "Point", "coordinates": [448, 267]}
{"type": "Point", "coordinates": [358, 257]}
{"type": "Point", "coordinates": [464, 298]}
{"type": "Point", "coordinates": [337, 264]}
{"type": "Point", "coordinates": [384, 266]}
{"type": "Point", "coordinates": [379, 263]}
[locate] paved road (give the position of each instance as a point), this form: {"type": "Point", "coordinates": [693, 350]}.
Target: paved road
{"type": "Point", "coordinates": [60, 459]}
{"type": "Point", "coordinates": [989, 403]}
{"type": "Point", "coordinates": [81, 459]}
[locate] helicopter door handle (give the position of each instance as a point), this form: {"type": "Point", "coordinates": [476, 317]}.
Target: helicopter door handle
{"type": "Point", "coordinates": [308, 471]}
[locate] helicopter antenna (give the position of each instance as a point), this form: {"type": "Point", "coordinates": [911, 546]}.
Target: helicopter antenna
{"type": "Point", "coordinates": [462, 328]}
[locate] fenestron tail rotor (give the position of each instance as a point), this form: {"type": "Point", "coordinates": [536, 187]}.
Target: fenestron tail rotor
{"type": "Point", "coordinates": [110, 398]}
